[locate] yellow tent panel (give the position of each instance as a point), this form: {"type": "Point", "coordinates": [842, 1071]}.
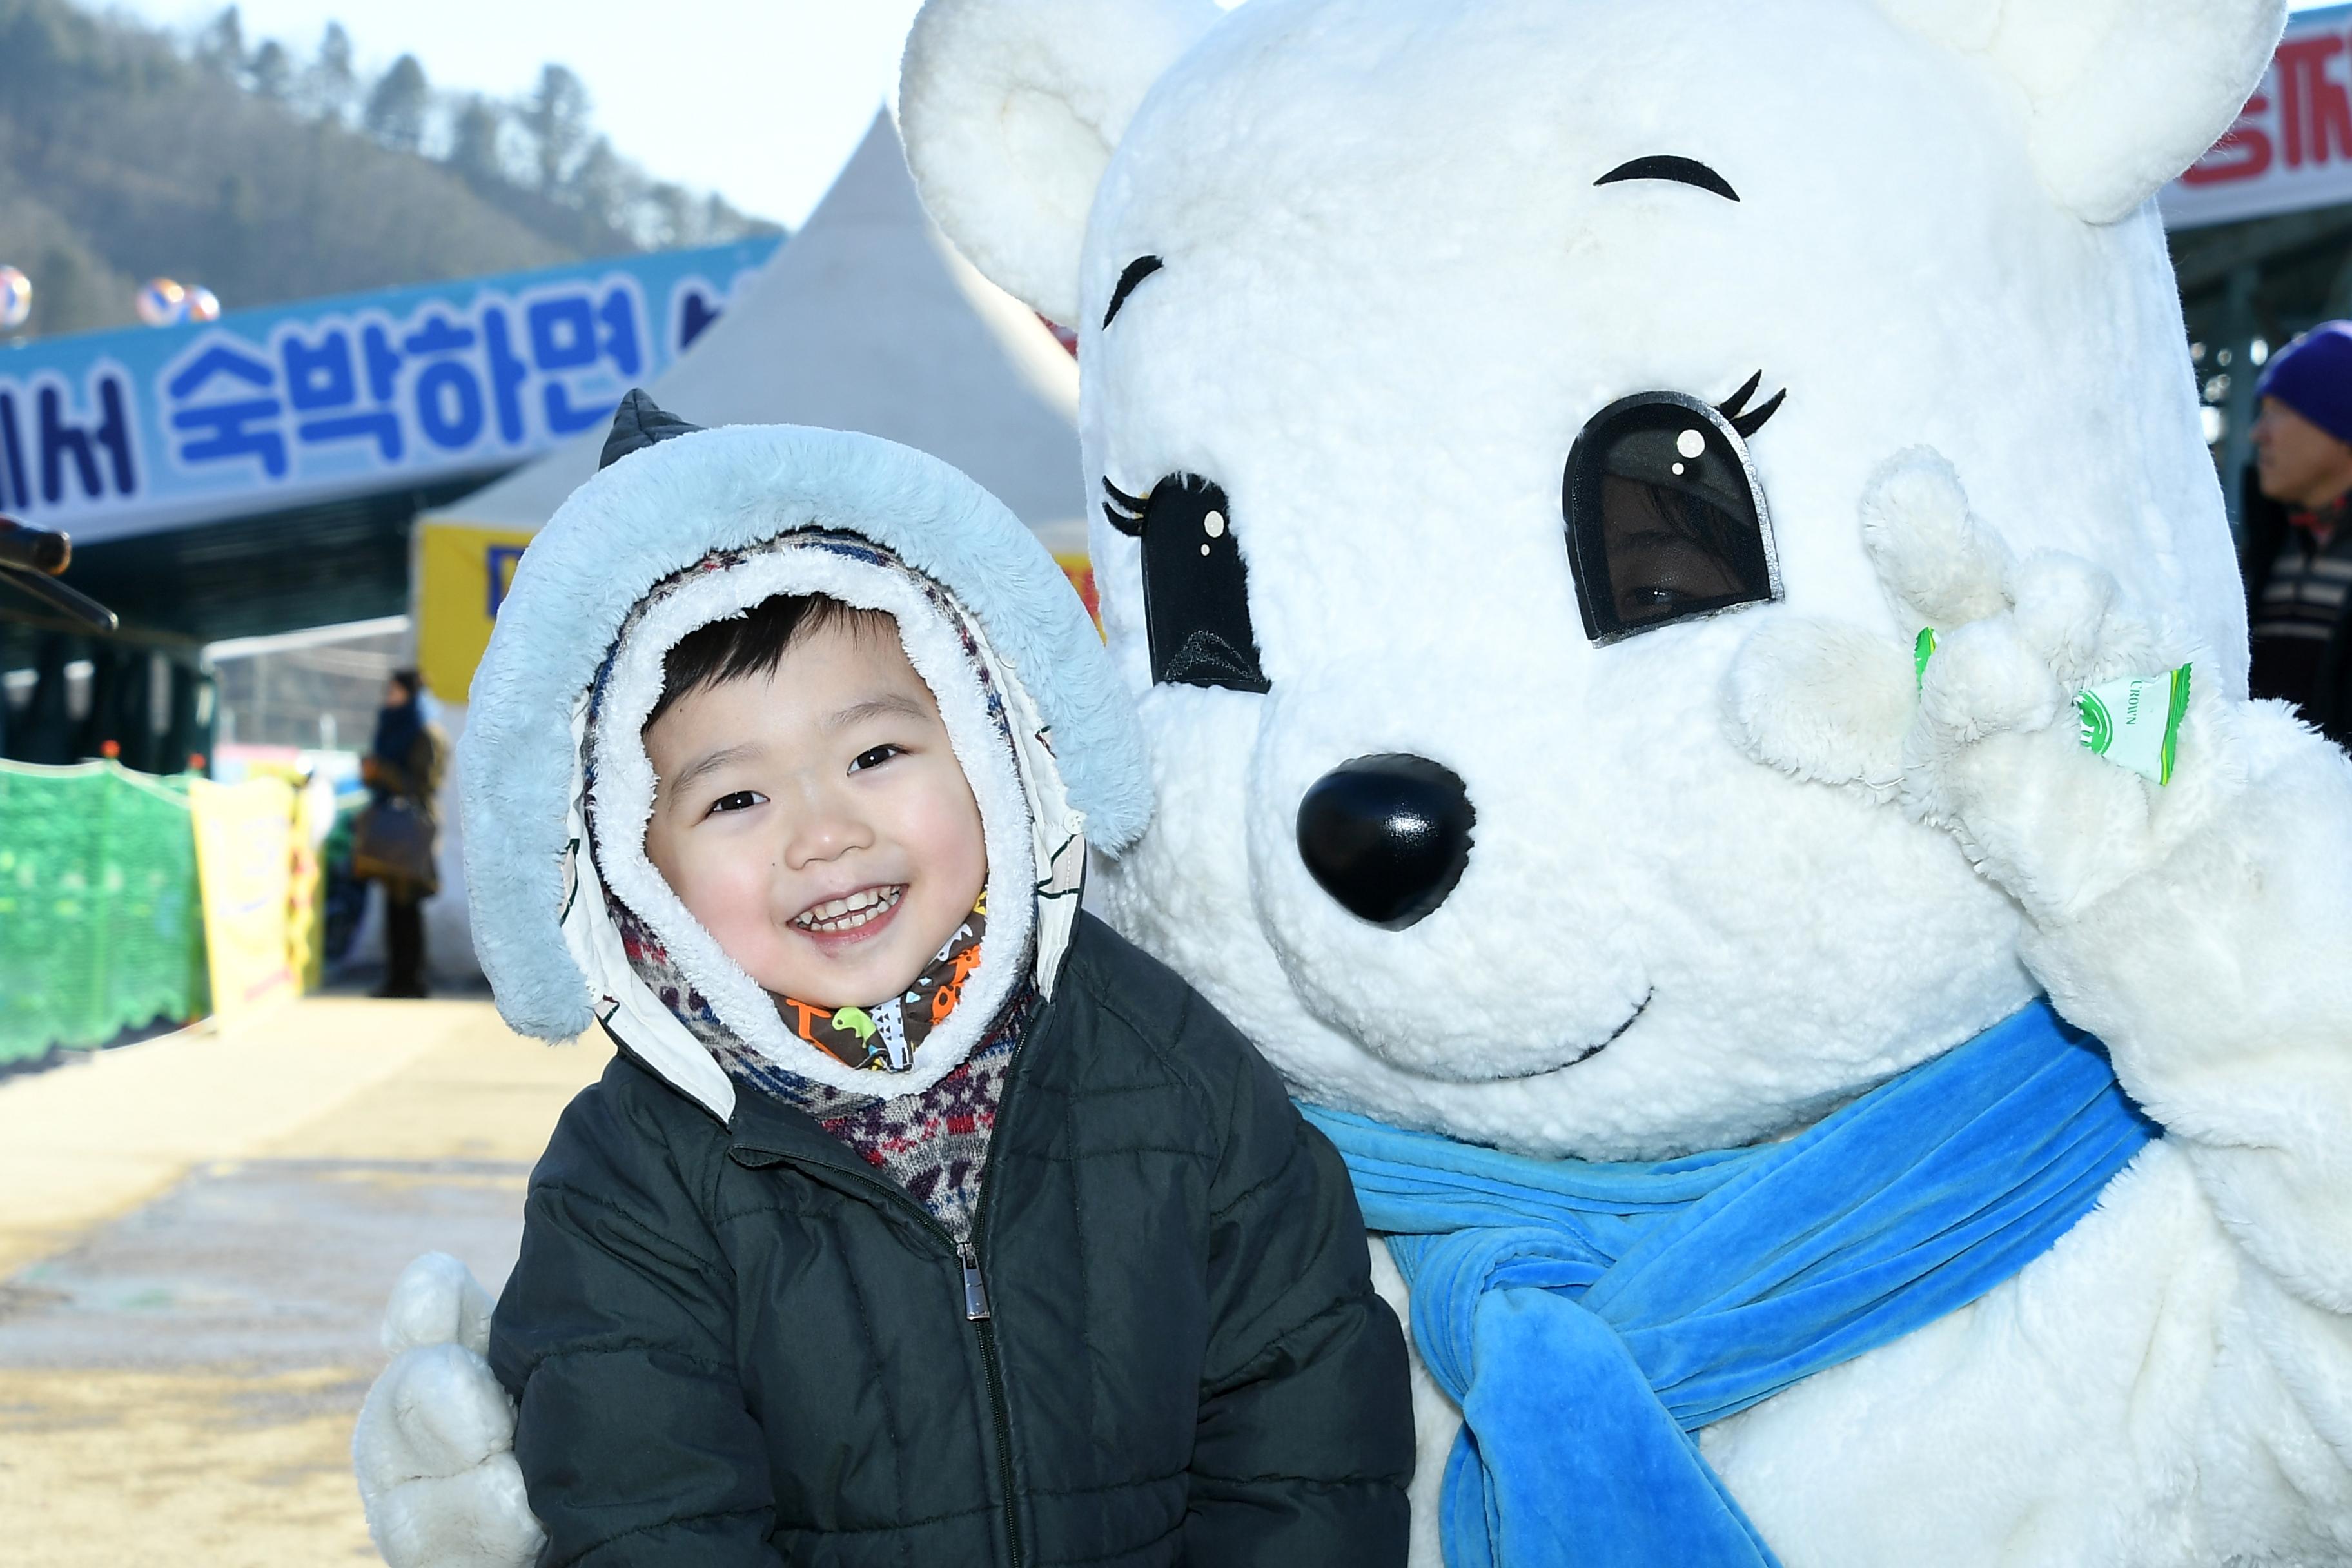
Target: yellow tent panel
{"type": "Point", "coordinates": [461, 575]}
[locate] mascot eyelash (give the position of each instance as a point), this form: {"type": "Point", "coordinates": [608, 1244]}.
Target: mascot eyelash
{"type": "Point", "coordinates": [1125, 511]}
{"type": "Point", "coordinates": [1195, 583]}
{"type": "Point", "coordinates": [1749, 422]}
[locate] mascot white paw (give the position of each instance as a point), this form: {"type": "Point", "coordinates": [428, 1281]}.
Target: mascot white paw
{"type": "Point", "coordinates": [2199, 921]}
{"type": "Point", "coordinates": [1997, 748]}
{"type": "Point", "coordinates": [434, 1444]}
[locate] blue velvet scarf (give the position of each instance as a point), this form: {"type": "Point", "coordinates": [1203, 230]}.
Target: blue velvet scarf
{"type": "Point", "coordinates": [1589, 1318]}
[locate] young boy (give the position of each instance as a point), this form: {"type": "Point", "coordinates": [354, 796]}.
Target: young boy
{"type": "Point", "coordinates": [919, 1219]}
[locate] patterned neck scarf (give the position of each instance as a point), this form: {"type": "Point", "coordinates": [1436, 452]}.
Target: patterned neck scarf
{"type": "Point", "coordinates": [883, 1037]}
{"type": "Point", "coordinates": [934, 1144]}
{"type": "Point", "coordinates": [878, 1039]}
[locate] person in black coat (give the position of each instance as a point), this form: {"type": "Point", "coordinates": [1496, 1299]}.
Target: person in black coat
{"type": "Point", "coordinates": [2296, 548]}
{"type": "Point", "coordinates": [402, 771]}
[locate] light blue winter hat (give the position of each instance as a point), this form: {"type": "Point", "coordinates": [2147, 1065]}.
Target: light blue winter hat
{"type": "Point", "coordinates": [677, 496]}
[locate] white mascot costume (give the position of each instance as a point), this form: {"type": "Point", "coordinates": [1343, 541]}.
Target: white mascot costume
{"type": "Point", "coordinates": [1532, 437]}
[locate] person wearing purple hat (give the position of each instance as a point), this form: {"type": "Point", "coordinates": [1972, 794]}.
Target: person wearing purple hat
{"type": "Point", "coordinates": [2298, 554]}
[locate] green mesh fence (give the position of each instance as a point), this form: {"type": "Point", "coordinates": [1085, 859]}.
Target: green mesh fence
{"type": "Point", "coordinates": [101, 927]}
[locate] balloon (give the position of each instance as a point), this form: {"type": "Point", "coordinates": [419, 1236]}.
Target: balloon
{"type": "Point", "coordinates": [203, 305]}
{"type": "Point", "coordinates": [16, 298]}
{"type": "Point", "coordinates": [163, 303]}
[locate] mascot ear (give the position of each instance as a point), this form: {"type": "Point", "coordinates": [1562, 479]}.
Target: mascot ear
{"type": "Point", "coordinates": [2125, 93]}
{"type": "Point", "coordinates": [1010, 110]}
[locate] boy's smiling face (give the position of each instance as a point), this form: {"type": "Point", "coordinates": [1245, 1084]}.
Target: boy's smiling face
{"type": "Point", "coordinates": [814, 818]}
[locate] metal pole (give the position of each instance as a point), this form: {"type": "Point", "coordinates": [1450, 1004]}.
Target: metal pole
{"type": "Point", "coordinates": [2238, 328]}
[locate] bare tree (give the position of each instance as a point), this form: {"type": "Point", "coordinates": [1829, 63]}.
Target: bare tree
{"type": "Point", "coordinates": [670, 216]}
{"type": "Point", "coordinates": [602, 186]}
{"type": "Point", "coordinates": [331, 86]}
{"type": "Point", "coordinates": [221, 45]}
{"type": "Point", "coordinates": [556, 119]}
{"type": "Point", "coordinates": [722, 220]}
{"type": "Point", "coordinates": [270, 72]}
{"type": "Point", "coordinates": [478, 141]}
{"type": "Point", "coordinates": [397, 106]}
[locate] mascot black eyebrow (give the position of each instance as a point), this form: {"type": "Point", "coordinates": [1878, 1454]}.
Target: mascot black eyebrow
{"type": "Point", "coordinates": [1780, 870]}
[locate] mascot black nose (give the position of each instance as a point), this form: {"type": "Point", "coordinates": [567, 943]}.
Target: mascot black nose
{"type": "Point", "coordinates": [1387, 837]}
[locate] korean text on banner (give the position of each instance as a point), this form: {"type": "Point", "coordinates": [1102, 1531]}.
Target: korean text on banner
{"type": "Point", "coordinates": [461, 575]}
{"type": "Point", "coordinates": [245, 860]}
{"type": "Point", "coordinates": [108, 435]}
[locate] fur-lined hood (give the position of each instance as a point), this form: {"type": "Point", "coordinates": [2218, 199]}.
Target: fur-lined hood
{"type": "Point", "coordinates": [552, 955]}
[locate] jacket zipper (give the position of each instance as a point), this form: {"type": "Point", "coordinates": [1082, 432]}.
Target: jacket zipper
{"type": "Point", "coordinates": [975, 1289]}
{"type": "Point", "coordinates": [977, 1313]}
{"type": "Point", "coordinates": [976, 1308]}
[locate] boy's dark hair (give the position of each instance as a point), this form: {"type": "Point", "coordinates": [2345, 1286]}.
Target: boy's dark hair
{"type": "Point", "coordinates": [410, 681]}
{"type": "Point", "coordinates": [752, 643]}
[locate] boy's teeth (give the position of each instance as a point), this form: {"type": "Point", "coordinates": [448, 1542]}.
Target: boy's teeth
{"type": "Point", "coordinates": [850, 913]}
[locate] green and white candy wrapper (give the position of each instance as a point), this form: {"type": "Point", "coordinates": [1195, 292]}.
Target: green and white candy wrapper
{"type": "Point", "coordinates": [2133, 720]}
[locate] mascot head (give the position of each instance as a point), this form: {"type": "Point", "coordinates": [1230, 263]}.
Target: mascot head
{"type": "Point", "coordinates": [1464, 384]}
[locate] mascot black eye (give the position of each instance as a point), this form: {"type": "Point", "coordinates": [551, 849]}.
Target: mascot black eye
{"type": "Point", "coordinates": [1665, 519]}
{"type": "Point", "coordinates": [1195, 586]}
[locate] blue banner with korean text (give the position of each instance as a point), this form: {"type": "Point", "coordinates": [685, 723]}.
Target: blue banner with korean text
{"type": "Point", "coordinates": [107, 434]}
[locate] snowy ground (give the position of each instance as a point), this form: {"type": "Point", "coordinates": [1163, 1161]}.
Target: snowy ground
{"type": "Point", "coordinates": [195, 1238]}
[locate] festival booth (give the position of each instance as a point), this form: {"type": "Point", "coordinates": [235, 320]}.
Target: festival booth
{"type": "Point", "coordinates": [866, 320]}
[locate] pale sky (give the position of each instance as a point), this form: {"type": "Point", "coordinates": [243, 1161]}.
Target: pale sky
{"type": "Point", "coordinates": [761, 100]}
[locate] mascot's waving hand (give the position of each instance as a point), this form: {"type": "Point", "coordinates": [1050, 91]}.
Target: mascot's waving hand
{"type": "Point", "coordinates": [1818, 1109]}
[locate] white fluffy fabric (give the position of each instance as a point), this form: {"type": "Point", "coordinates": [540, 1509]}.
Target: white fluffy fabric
{"type": "Point", "coordinates": [1393, 293]}
{"type": "Point", "coordinates": [1016, 109]}
{"type": "Point", "coordinates": [626, 787]}
{"type": "Point", "coordinates": [436, 1300]}
{"type": "Point", "coordinates": [2123, 94]}
{"type": "Point", "coordinates": [434, 1446]}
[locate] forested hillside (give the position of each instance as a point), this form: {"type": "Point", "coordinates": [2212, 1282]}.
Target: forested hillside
{"type": "Point", "coordinates": [126, 153]}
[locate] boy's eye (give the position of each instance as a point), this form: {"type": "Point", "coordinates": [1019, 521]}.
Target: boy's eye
{"type": "Point", "coordinates": [873, 759]}
{"type": "Point", "coordinates": [741, 800]}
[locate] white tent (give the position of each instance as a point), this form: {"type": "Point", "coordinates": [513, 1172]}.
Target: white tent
{"type": "Point", "coordinates": [864, 320]}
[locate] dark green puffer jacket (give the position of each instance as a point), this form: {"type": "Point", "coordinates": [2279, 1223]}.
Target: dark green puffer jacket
{"type": "Point", "coordinates": [740, 1345]}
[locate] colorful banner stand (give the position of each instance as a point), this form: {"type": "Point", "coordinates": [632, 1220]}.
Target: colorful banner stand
{"type": "Point", "coordinates": [313, 819]}
{"type": "Point", "coordinates": [306, 893]}
{"type": "Point", "coordinates": [101, 926]}
{"type": "Point", "coordinates": [125, 898]}
{"type": "Point", "coordinates": [246, 861]}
